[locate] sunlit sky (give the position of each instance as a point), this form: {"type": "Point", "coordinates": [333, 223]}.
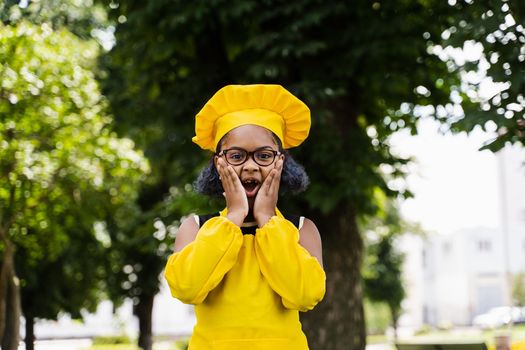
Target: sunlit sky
{"type": "Point", "coordinates": [455, 185]}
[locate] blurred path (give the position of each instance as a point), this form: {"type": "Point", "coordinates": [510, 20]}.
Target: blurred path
{"type": "Point", "coordinates": [63, 344]}
{"type": "Point", "coordinates": [83, 344]}
{"type": "Point", "coordinates": [381, 346]}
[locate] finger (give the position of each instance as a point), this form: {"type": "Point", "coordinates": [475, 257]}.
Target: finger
{"type": "Point", "coordinates": [276, 180]}
{"type": "Point", "coordinates": [220, 170]}
{"type": "Point", "coordinates": [224, 175]}
{"type": "Point", "coordinates": [265, 188]}
{"type": "Point", "coordinates": [235, 182]}
{"type": "Point", "coordinates": [274, 186]}
{"type": "Point", "coordinates": [279, 166]}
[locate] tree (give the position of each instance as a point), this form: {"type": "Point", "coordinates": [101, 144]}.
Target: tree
{"type": "Point", "coordinates": [496, 27]}
{"type": "Point", "coordinates": [85, 19]}
{"type": "Point", "coordinates": [135, 249]}
{"type": "Point", "coordinates": [382, 270]}
{"type": "Point", "coordinates": [139, 252]}
{"type": "Point", "coordinates": [62, 167]}
{"type": "Point", "coordinates": [74, 280]}
{"type": "Point", "coordinates": [383, 277]}
{"type": "Point", "coordinates": [358, 65]}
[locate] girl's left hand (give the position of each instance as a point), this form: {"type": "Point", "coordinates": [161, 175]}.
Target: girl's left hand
{"type": "Point", "coordinates": [266, 199]}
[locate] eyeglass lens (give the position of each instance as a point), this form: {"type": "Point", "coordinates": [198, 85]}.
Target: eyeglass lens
{"type": "Point", "coordinates": [239, 156]}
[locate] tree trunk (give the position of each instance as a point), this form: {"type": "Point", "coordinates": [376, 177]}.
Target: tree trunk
{"type": "Point", "coordinates": [3, 294]}
{"type": "Point", "coordinates": [11, 336]}
{"type": "Point", "coordinates": [144, 310]}
{"type": "Point", "coordinates": [9, 301]}
{"type": "Point", "coordinates": [30, 332]}
{"type": "Point", "coordinates": [7, 260]}
{"type": "Point", "coordinates": [338, 322]}
{"type": "Point", "coordinates": [395, 316]}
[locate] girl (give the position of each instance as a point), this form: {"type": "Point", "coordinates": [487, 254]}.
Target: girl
{"type": "Point", "coordinates": [249, 270]}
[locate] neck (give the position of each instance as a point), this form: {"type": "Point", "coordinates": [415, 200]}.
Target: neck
{"type": "Point", "coordinates": [249, 217]}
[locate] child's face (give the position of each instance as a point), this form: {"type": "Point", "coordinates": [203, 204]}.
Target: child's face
{"type": "Point", "coordinates": [251, 138]}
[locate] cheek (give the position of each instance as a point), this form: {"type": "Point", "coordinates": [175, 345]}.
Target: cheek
{"type": "Point", "coordinates": [264, 172]}
{"type": "Point", "coordinates": [238, 171]}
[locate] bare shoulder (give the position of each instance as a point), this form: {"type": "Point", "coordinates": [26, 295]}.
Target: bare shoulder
{"type": "Point", "coordinates": [310, 230]}
{"type": "Point", "coordinates": [310, 238]}
{"type": "Point", "coordinates": [187, 232]}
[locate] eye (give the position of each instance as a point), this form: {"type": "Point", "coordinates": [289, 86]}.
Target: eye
{"type": "Point", "coordinates": [235, 155]}
{"type": "Point", "coordinates": [264, 155]}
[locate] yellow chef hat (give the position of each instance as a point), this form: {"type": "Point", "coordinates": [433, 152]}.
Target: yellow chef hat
{"type": "Point", "coordinates": [270, 106]}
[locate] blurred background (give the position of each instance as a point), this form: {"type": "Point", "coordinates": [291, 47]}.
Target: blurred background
{"type": "Point", "coordinates": [415, 157]}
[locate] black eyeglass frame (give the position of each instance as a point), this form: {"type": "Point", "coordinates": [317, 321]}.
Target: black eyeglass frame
{"type": "Point", "coordinates": [248, 155]}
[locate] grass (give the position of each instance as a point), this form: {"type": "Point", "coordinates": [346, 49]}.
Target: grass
{"type": "Point", "coordinates": [376, 339]}
{"type": "Point", "coordinates": [460, 335]}
{"type": "Point", "coordinates": [454, 334]}
{"type": "Point", "coordinates": [159, 344]}
{"type": "Point", "coordinates": [114, 347]}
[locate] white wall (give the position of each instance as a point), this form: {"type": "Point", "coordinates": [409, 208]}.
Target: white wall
{"type": "Point", "coordinates": [412, 306]}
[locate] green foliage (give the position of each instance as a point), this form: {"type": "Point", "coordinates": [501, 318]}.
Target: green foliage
{"type": "Point", "coordinates": [498, 26]}
{"type": "Point", "coordinates": [114, 347]}
{"type": "Point", "coordinates": [518, 289]}
{"type": "Point", "coordinates": [122, 339]}
{"type": "Point", "coordinates": [361, 67]}
{"type": "Point", "coordinates": [352, 63]}
{"type": "Point", "coordinates": [62, 167]}
{"type": "Point", "coordinates": [382, 270]}
{"type": "Point", "coordinates": [141, 247]}
{"type": "Point", "coordinates": [181, 345]}
{"type": "Point", "coordinates": [378, 317]}
{"type": "Point", "coordinates": [383, 274]}
{"type": "Point", "coordinates": [84, 18]}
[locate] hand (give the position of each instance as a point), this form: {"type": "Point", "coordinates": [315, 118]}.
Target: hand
{"type": "Point", "coordinates": [236, 200]}
{"type": "Point", "coordinates": [266, 199]}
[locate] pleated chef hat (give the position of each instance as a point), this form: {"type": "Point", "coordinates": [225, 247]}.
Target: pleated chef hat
{"type": "Point", "coordinates": [270, 106]}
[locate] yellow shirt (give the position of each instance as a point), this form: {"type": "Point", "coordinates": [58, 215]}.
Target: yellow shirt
{"type": "Point", "coordinates": [247, 289]}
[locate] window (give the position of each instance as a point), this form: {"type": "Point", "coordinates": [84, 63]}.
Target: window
{"type": "Point", "coordinates": [484, 246]}
{"type": "Point", "coordinates": [447, 247]}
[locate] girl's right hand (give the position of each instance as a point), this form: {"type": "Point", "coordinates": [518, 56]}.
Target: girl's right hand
{"type": "Point", "coordinates": [236, 199]}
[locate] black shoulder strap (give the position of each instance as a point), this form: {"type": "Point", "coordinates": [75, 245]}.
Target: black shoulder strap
{"type": "Point", "coordinates": [206, 217]}
{"type": "Point", "coordinates": [294, 219]}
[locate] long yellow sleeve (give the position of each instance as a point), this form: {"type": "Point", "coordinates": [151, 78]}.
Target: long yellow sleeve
{"type": "Point", "coordinates": [200, 266]}
{"type": "Point", "coordinates": [287, 266]}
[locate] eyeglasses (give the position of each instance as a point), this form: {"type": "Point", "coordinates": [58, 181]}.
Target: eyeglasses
{"type": "Point", "coordinates": [238, 156]}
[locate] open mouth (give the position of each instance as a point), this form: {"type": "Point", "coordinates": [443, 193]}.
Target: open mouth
{"type": "Point", "coordinates": [251, 187]}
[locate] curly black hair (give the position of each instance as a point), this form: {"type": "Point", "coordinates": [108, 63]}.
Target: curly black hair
{"type": "Point", "coordinates": [293, 177]}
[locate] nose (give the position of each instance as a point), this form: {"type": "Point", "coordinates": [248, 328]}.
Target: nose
{"type": "Point", "coordinates": [250, 165]}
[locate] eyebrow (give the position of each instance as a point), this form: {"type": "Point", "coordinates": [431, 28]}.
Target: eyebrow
{"type": "Point", "coordinates": [257, 149]}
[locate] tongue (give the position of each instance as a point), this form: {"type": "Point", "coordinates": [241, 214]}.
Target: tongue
{"type": "Point", "coordinates": [249, 187]}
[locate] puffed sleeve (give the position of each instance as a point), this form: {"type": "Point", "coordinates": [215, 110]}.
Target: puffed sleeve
{"type": "Point", "coordinates": [200, 266]}
{"type": "Point", "coordinates": [288, 267]}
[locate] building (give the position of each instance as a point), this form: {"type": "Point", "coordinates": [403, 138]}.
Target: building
{"type": "Point", "coordinates": [450, 278]}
